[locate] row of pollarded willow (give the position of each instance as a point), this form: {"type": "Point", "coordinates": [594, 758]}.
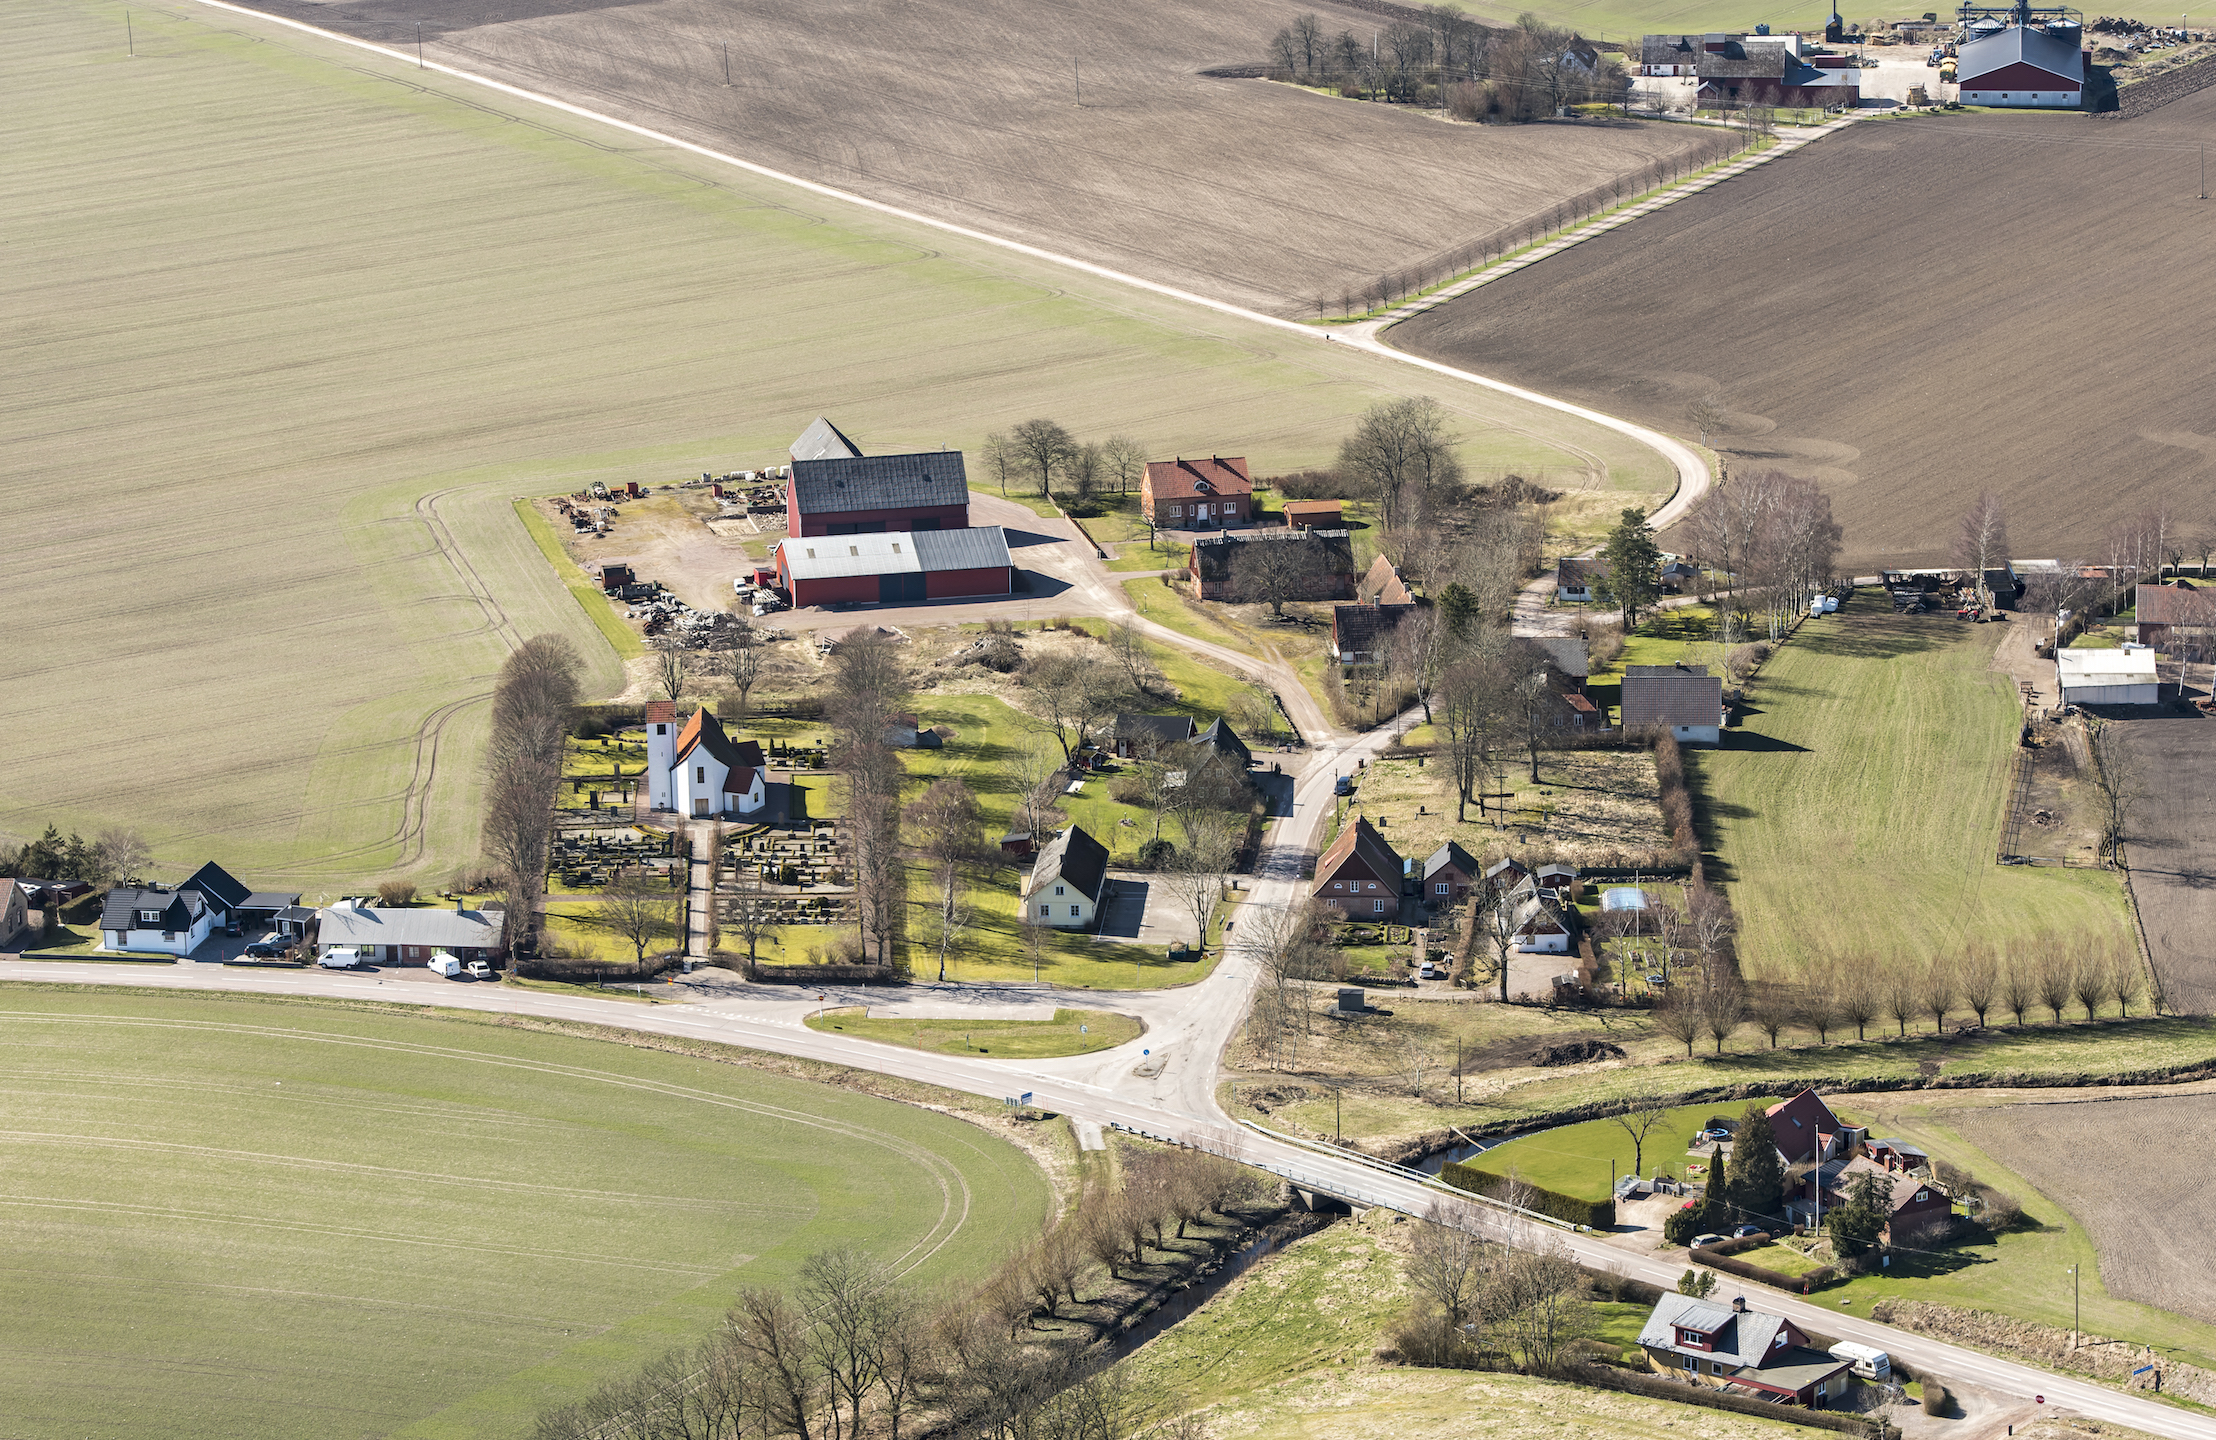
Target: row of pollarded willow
{"type": "Point", "coordinates": [2054, 976]}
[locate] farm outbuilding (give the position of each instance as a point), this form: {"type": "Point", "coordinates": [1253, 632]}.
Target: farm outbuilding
{"type": "Point", "coordinates": [1313, 514]}
{"type": "Point", "coordinates": [2023, 65]}
{"type": "Point", "coordinates": [2107, 677]}
{"type": "Point", "coordinates": [837, 490]}
{"type": "Point", "coordinates": [896, 566]}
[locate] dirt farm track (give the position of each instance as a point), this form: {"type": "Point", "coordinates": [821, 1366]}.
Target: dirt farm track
{"type": "Point", "coordinates": [1910, 311]}
{"type": "Point", "coordinates": [967, 110]}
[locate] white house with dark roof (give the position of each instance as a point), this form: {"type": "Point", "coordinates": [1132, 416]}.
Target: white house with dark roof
{"type": "Point", "coordinates": [1730, 1347]}
{"type": "Point", "coordinates": [153, 919]}
{"type": "Point", "coordinates": [696, 769]}
{"type": "Point", "coordinates": [15, 916]}
{"type": "Point", "coordinates": [1066, 881]}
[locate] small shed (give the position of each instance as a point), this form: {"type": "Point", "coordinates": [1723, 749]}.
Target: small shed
{"type": "Point", "coordinates": [1018, 842]}
{"type": "Point", "coordinates": [2107, 677]}
{"type": "Point", "coordinates": [615, 575]}
{"type": "Point", "coordinates": [1312, 514]}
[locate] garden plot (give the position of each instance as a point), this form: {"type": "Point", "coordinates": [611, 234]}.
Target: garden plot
{"type": "Point", "coordinates": [1591, 807]}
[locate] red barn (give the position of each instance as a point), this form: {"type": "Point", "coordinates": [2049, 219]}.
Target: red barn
{"type": "Point", "coordinates": [895, 567]}
{"type": "Point", "coordinates": [837, 490]}
{"type": "Point", "coordinates": [2021, 66]}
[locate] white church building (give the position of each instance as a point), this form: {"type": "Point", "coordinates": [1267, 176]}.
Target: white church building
{"type": "Point", "coordinates": [697, 770]}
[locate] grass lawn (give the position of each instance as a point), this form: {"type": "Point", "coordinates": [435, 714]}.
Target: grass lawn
{"type": "Point", "coordinates": [330, 269]}
{"type": "Point", "coordinates": [644, 994]}
{"type": "Point", "coordinates": [1857, 807]}
{"type": "Point", "coordinates": [987, 733]}
{"type": "Point", "coordinates": [1784, 1259]}
{"type": "Point", "coordinates": [1070, 1032]}
{"type": "Point", "coordinates": [1588, 803]}
{"type": "Point", "coordinates": [1203, 691]}
{"type": "Point", "coordinates": [578, 925]}
{"type": "Point", "coordinates": [1582, 1160]}
{"type": "Point", "coordinates": [227, 1214]}
{"type": "Point", "coordinates": [1166, 605]}
{"type": "Point", "coordinates": [1164, 555]}
{"type": "Point", "coordinates": [1283, 1353]}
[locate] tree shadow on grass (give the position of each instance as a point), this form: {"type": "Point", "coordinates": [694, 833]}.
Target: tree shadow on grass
{"type": "Point", "coordinates": [1878, 638]}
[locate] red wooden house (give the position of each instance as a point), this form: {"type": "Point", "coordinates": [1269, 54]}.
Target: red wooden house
{"type": "Point", "coordinates": [1205, 494]}
{"type": "Point", "coordinates": [837, 490]}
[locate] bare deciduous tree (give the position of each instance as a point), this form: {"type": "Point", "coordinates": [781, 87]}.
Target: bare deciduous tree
{"type": "Point", "coordinates": [670, 667]}
{"type": "Point", "coordinates": [1404, 453]}
{"type": "Point", "coordinates": [1195, 873]}
{"type": "Point", "coordinates": [641, 910]}
{"type": "Point", "coordinates": [1981, 540]}
{"type": "Point", "coordinates": [1041, 449]}
{"type": "Point", "coordinates": [1639, 1123]}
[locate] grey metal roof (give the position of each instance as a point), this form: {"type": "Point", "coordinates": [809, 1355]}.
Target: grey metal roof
{"type": "Point", "coordinates": [1742, 1337]}
{"type": "Point", "coordinates": [2014, 45]}
{"type": "Point", "coordinates": [1075, 859]}
{"type": "Point", "coordinates": [822, 440]}
{"type": "Point", "coordinates": [979, 548]}
{"type": "Point", "coordinates": [1225, 741]}
{"type": "Point", "coordinates": [271, 900]}
{"type": "Point", "coordinates": [894, 552]}
{"type": "Point", "coordinates": [347, 924]}
{"type": "Point", "coordinates": [1160, 729]}
{"type": "Point", "coordinates": [1670, 697]}
{"type": "Point", "coordinates": [880, 482]}
{"type": "Point", "coordinates": [1565, 653]}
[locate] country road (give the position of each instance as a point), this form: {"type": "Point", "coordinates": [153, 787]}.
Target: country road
{"type": "Point", "coordinates": [1172, 1095]}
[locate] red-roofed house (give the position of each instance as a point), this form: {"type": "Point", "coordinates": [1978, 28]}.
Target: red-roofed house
{"type": "Point", "coordinates": [1360, 874]}
{"type": "Point", "coordinates": [1186, 494]}
{"type": "Point", "coordinates": [700, 770]}
{"type": "Point", "coordinates": [1806, 1130]}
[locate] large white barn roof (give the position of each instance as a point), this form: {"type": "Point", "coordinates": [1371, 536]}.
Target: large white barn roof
{"type": "Point", "coordinates": [2085, 668]}
{"type": "Point", "coordinates": [894, 552]}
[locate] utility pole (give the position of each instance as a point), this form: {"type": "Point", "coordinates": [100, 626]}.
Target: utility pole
{"type": "Point", "coordinates": [130, 43]}
{"type": "Point", "coordinates": [419, 44]}
{"type": "Point", "coordinates": [726, 64]}
{"type": "Point", "coordinates": [1336, 1091]}
{"type": "Point", "coordinates": [1077, 81]}
{"type": "Point", "coordinates": [2074, 1315]}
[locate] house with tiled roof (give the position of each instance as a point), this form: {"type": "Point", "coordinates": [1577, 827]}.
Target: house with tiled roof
{"type": "Point", "coordinates": [1363, 634]}
{"type": "Point", "coordinates": [697, 769]}
{"type": "Point", "coordinates": [1449, 874]}
{"type": "Point", "coordinates": [1143, 736]}
{"type": "Point", "coordinates": [1807, 1130]}
{"type": "Point", "coordinates": [1685, 700]}
{"type": "Point", "coordinates": [1205, 494]}
{"type": "Point", "coordinates": [1359, 875]}
{"type": "Point", "coordinates": [2160, 612]}
{"type": "Point", "coordinates": [1913, 1202]}
{"type": "Point", "coordinates": [1727, 1346]}
{"type": "Point", "coordinates": [837, 490]}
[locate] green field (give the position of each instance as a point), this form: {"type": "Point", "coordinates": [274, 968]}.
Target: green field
{"type": "Point", "coordinates": [1583, 1160]}
{"type": "Point", "coordinates": [323, 381]}
{"type": "Point", "coordinates": [1857, 807]}
{"type": "Point", "coordinates": [232, 1217]}
{"type": "Point", "coordinates": [1284, 1353]}
{"type": "Point", "coordinates": [1070, 1032]}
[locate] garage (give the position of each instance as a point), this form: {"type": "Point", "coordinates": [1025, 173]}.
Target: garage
{"type": "Point", "coordinates": [897, 567]}
{"type": "Point", "coordinates": [2107, 677]}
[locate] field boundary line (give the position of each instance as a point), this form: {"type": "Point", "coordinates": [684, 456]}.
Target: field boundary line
{"type": "Point", "coordinates": [1692, 471]}
{"type": "Point", "coordinates": [1592, 229]}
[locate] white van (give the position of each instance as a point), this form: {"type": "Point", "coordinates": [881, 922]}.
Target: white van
{"type": "Point", "coordinates": [445, 964]}
{"type": "Point", "coordinates": [1869, 1362]}
{"type": "Point", "coordinates": [340, 957]}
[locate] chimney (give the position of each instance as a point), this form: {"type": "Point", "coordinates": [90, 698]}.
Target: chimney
{"type": "Point", "coordinates": [1738, 1304]}
{"type": "Point", "coordinates": [458, 905]}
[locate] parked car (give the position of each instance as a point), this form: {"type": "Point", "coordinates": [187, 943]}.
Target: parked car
{"type": "Point", "coordinates": [1745, 1230]}
{"type": "Point", "coordinates": [1658, 979]}
{"type": "Point", "coordinates": [1344, 785]}
{"type": "Point", "coordinates": [272, 948]}
{"type": "Point", "coordinates": [1428, 971]}
{"type": "Point", "coordinates": [1702, 1242]}
{"type": "Point", "coordinates": [342, 958]}
{"type": "Point", "coordinates": [478, 970]}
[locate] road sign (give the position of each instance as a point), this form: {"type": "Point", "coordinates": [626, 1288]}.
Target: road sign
{"type": "Point", "coordinates": [1026, 1098]}
{"type": "Point", "coordinates": [2039, 1399]}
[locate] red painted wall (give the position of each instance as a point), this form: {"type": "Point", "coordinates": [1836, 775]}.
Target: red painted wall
{"type": "Point", "coordinates": [2019, 76]}
{"type": "Point", "coordinates": [950, 517]}
{"type": "Point", "coordinates": [844, 589]}
{"type": "Point", "coordinates": [953, 584]}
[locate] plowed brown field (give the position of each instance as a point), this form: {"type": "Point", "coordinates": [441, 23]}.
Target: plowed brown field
{"type": "Point", "coordinates": [967, 110]}
{"type": "Point", "coordinates": [2129, 1172]}
{"type": "Point", "coordinates": [1910, 311]}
